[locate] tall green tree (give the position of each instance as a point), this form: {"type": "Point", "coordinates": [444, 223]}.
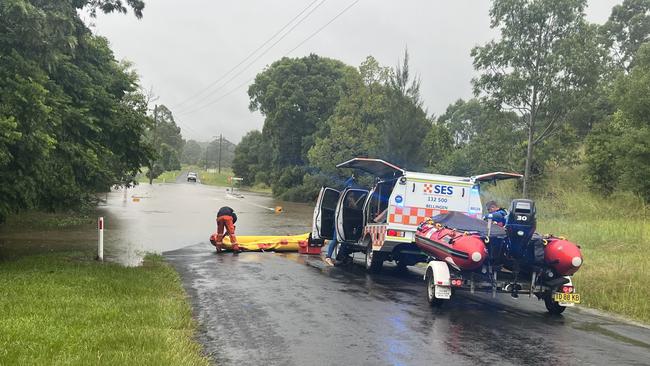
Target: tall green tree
{"type": "Point", "coordinates": [354, 128]}
{"type": "Point", "coordinates": [220, 153]}
{"type": "Point", "coordinates": [618, 151]}
{"type": "Point", "coordinates": [627, 28]}
{"type": "Point", "coordinates": [192, 153]}
{"type": "Point", "coordinates": [483, 138]}
{"type": "Point", "coordinates": [71, 118]}
{"type": "Point", "coordinates": [165, 137]}
{"type": "Point", "coordinates": [296, 97]}
{"type": "Point", "coordinates": [545, 57]}
{"type": "Point", "coordinates": [379, 115]}
{"type": "Point", "coordinates": [405, 124]}
{"type": "Point", "coordinates": [250, 157]}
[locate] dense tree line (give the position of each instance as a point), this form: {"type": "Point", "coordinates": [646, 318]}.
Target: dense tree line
{"type": "Point", "coordinates": [72, 121]}
{"type": "Point", "coordinates": [164, 136]}
{"type": "Point", "coordinates": [552, 89]}
{"type": "Point", "coordinates": [218, 152]}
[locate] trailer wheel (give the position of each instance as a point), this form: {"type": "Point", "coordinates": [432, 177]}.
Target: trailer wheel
{"type": "Point", "coordinates": [431, 290]}
{"type": "Point", "coordinates": [552, 306]}
{"type": "Point", "coordinates": [374, 260]}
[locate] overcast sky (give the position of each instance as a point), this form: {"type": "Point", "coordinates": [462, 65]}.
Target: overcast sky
{"type": "Point", "coordinates": [180, 48]}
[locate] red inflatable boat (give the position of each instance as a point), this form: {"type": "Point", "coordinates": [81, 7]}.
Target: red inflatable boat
{"type": "Point", "coordinates": [462, 250]}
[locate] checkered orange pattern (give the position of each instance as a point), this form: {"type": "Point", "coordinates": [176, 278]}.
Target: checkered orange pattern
{"type": "Point", "coordinates": [428, 188]}
{"type": "Point", "coordinates": [377, 234]}
{"type": "Point", "coordinates": [412, 215]}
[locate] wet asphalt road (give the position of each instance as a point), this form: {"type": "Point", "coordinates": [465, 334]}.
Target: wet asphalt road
{"type": "Point", "coordinates": [290, 309]}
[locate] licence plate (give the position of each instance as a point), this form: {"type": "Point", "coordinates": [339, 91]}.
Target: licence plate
{"type": "Point", "coordinates": [443, 292]}
{"type": "Point", "coordinates": [566, 298]}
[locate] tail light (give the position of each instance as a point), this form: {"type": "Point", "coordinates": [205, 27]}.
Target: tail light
{"type": "Point", "coordinates": [567, 289]}
{"type": "Point", "coordinates": [457, 283]}
{"type": "Point", "coordinates": [392, 232]}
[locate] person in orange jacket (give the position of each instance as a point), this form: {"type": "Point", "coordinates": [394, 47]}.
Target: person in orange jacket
{"type": "Point", "coordinates": [226, 219]}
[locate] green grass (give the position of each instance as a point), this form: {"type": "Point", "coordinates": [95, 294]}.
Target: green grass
{"type": "Point", "coordinates": [614, 235]}
{"type": "Point", "coordinates": [47, 220]}
{"type": "Point", "coordinates": [216, 179]}
{"type": "Point", "coordinates": [65, 309]}
{"type": "Point", "coordinates": [221, 180]}
{"type": "Point", "coordinates": [165, 177]}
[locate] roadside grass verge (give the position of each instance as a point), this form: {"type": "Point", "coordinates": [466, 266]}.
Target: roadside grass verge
{"type": "Point", "coordinates": [216, 179]}
{"type": "Point", "coordinates": [221, 180]}
{"type": "Point", "coordinates": [48, 220]}
{"type": "Point", "coordinates": [65, 309]}
{"type": "Point", "coordinates": [165, 177]}
{"type": "Point", "coordinates": [614, 235]}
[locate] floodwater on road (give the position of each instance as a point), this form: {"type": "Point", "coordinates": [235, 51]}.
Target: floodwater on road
{"type": "Point", "coordinates": [161, 217]}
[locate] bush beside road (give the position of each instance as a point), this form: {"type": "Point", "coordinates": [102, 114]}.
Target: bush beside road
{"type": "Point", "coordinates": [66, 309]}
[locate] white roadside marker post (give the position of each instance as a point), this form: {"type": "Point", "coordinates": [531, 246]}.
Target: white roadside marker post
{"type": "Point", "coordinates": [100, 244]}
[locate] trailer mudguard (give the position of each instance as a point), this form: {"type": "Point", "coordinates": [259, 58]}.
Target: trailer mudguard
{"type": "Point", "coordinates": [441, 278]}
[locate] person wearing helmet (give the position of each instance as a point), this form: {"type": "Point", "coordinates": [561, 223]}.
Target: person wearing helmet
{"type": "Point", "coordinates": [226, 219]}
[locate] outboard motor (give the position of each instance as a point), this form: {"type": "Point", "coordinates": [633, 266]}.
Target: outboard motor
{"type": "Point", "coordinates": [520, 226]}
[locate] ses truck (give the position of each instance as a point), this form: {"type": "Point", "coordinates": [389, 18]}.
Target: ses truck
{"type": "Point", "coordinates": [381, 222]}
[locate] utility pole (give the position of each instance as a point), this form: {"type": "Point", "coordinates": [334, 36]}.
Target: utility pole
{"type": "Point", "coordinates": [155, 135]}
{"type": "Point", "coordinates": [220, 140]}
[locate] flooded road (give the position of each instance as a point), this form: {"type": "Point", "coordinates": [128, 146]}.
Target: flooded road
{"type": "Point", "coordinates": [157, 218]}
{"type": "Point", "coordinates": [290, 309]}
{"type": "Point", "coordinates": [171, 216]}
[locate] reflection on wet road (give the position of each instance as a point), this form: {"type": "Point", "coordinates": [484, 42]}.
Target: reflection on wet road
{"type": "Point", "coordinates": [288, 309]}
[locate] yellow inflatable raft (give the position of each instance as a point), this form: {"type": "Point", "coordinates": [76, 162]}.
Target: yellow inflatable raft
{"type": "Point", "coordinates": [287, 243]}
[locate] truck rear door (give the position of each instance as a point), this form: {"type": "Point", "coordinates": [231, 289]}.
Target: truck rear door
{"type": "Point", "coordinates": [324, 213]}
{"type": "Point", "coordinates": [349, 215]}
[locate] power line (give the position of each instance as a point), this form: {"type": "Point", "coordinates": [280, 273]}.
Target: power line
{"type": "Point", "coordinates": [190, 111]}
{"type": "Point", "coordinates": [251, 63]}
{"type": "Point", "coordinates": [323, 27]}
{"type": "Point", "coordinates": [252, 53]}
{"type": "Point", "coordinates": [219, 98]}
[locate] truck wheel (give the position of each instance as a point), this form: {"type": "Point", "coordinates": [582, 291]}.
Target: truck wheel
{"type": "Point", "coordinates": [401, 267]}
{"type": "Point", "coordinates": [431, 290]}
{"type": "Point", "coordinates": [335, 252]}
{"type": "Point", "coordinates": [552, 306]}
{"type": "Point", "coordinates": [374, 260]}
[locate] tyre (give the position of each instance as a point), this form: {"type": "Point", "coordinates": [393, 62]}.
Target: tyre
{"type": "Point", "coordinates": [337, 250]}
{"type": "Point", "coordinates": [374, 260]}
{"type": "Point", "coordinates": [431, 290]}
{"type": "Point", "coordinates": [401, 267]}
{"type": "Point", "coordinates": [552, 306]}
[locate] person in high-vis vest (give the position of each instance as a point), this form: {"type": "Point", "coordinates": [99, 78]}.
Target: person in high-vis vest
{"type": "Point", "coordinates": [226, 219]}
